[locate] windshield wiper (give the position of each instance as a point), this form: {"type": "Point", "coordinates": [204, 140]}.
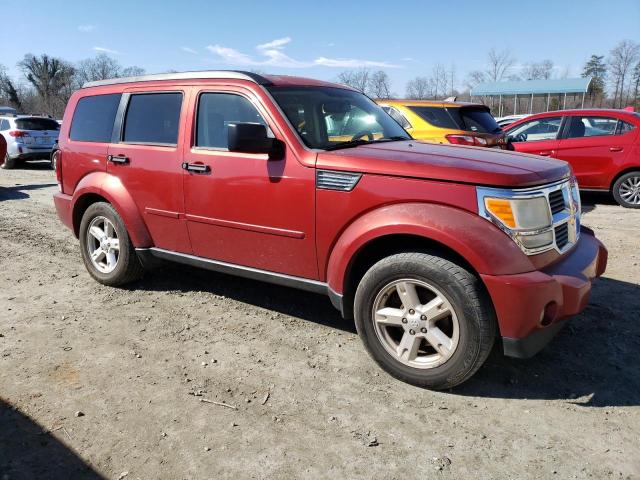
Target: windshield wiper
{"type": "Point", "coordinates": [357, 143]}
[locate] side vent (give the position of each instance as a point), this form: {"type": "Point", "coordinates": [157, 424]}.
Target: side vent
{"type": "Point", "coordinates": [332, 180]}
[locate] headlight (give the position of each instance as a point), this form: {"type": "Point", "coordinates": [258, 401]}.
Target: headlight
{"type": "Point", "coordinates": [520, 213]}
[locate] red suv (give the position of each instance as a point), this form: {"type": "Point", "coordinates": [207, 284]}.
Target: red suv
{"type": "Point", "coordinates": [432, 249]}
{"type": "Point", "coordinates": [602, 146]}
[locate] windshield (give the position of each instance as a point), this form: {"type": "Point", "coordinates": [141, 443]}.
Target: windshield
{"type": "Point", "coordinates": [329, 118]}
{"type": "Point", "coordinates": [36, 123]}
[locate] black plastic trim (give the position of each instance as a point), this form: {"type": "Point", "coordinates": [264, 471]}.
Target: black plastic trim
{"type": "Point", "coordinates": [528, 346]}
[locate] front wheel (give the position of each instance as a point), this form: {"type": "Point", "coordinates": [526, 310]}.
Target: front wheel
{"type": "Point", "coordinates": [424, 319]}
{"type": "Point", "coordinates": [626, 190]}
{"type": "Point", "coordinates": [106, 248]}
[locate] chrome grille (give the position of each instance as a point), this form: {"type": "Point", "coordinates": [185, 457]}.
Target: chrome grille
{"type": "Point", "coordinates": [556, 201]}
{"type": "Point", "coordinates": [561, 233]}
{"type": "Point", "coordinates": [332, 180]}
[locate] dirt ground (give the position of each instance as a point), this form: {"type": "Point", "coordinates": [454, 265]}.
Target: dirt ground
{"type": "Point", "coordinates": [117, 383]}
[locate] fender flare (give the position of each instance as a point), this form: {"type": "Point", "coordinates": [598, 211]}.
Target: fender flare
{"type": "Point", "coordinates": [485, 247]}
{"type": "Point", "coordinates": [112, 189]}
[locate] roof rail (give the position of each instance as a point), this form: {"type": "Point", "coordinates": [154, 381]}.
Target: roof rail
{"type": "Point", "coordinates": [204, 74]}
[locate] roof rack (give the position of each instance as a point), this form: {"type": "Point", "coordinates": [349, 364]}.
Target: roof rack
{"type": "Point", "coordinates": [204, 74]}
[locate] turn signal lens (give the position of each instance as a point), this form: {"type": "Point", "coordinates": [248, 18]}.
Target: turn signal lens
{"type": "Point", "coordinates": [501, 209]}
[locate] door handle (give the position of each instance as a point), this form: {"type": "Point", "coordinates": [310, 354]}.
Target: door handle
{"type": "Point", "coordinates": [196, 167]}
{"type": "Point", "coordinates": [121, 159]}
{"type": "Point", "coordinates": [615, 149]}
{"type": "Point", "coordinates": [546, 153]}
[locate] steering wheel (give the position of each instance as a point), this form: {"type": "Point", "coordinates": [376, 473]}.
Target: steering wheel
{"type": "Point", "coordinates": [521, 137]}
{"type": "Point", "coordinates": [361, 134]}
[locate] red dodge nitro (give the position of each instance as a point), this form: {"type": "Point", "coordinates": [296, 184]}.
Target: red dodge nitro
{"type": "Point", "coordinates": [434, 250]}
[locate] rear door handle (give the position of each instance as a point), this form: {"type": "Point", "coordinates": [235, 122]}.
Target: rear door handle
{"type": "Point", "coordinates": [121, 159]}
{"type": "Point", "coordinates": [196, 167]}
{"type": "Point", "coordinates": [615, 149]}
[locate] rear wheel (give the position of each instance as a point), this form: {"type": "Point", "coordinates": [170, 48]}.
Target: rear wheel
{"type": "Point", "coordinates": [626, 190]}
{"type": "Point", "coordinates": [9, 162]}
{"type": "Point", "coordinates": [54, 159]}
{"type": "Point", "coordinates": [106, 248]}
{"type": "Point", "coordinates": [424, 319]}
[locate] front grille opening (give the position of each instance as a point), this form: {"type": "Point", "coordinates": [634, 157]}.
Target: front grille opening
{"type": "Point", "coordinates": [562, 235]}
{"type": "Point", "coordinates": [556, 201]}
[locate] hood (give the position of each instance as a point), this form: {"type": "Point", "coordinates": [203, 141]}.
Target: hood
{"type": "Point", "coordinates": [474, 165]}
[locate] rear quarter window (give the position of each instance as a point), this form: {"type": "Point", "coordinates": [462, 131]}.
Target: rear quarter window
{"type": "Point", "coordinates": [474, 119]}
{"type": "Point", "coordinates": [93, 118]}
{"type": "Point", "coordinates": [36, 123]}
{"type": "Point", "coordinates": [436, 116]}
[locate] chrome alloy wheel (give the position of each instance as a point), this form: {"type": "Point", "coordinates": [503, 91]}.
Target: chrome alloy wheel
{"type": "Point", "coordinates": [415, 323]}
{"type": "Point", "coordinates": [630, 190]}
{"type": "Point", "coordinates": [103, 245]}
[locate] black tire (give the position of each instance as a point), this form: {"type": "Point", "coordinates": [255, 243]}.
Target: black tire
{"type": "Point", "coordinates": [9, 162]}
{"type": "Point", "coordinates": [128, 267]}
{"type": "Point", "coordinates": [464, 292]}
{"type": "Point", "coordinates": [53, 159]}
{"type": "Point", "coordinates": [620, 184]}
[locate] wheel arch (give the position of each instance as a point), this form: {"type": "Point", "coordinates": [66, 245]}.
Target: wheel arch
{"type": "Point", "coordinates": [102, 187]}
{"type": "Point", "coordinates": [460, 236]}
{"type": "Point", "coordinates": [624, 171]}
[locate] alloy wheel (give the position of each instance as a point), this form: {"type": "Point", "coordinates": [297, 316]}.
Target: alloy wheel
{"type": "Point", "coordinates": [630, 190]}
{"type": "Point", "coordinates": [103, 244]}
{"type": "Point", "coordinates": [416, 323]}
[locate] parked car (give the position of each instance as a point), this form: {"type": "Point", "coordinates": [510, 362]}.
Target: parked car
{"type": "Point", "coordinates": [509, 119]}
{"type": "Point", "coordinates": [446, 122]}
{"type": "Point", "coordinates": [7, 111]}
{"type": "Point", "coordinates": [27, 137]}
{"type": "Point", "coordinates": [431, 248]}
{"type": "Point", "coordinates": [602, 146]}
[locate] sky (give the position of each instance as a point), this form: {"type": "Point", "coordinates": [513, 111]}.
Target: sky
{"type": "Point", "coordinates": [318, 39]}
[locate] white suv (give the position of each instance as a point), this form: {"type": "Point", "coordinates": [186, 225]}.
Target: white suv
{"type": "Point", "coordinates": [28, 138]}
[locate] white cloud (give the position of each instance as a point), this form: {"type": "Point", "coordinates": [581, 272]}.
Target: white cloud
{"type": "Point", "coordinates": [272, 55]}
{"type": "Point", "coordinates": [351, 63]}
{"type": "Point", "coordinates": [277, 43]}
{"type": "Point", "coordinates": [106, 50]}
{"type": "Point", "coordinates": [86, 28]}
{"type": "Point", "coordinates": [189, 50]}
{"type": "Point", "coordinates": [408, 59]}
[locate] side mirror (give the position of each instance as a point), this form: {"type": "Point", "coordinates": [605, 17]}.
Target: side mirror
{"type": "Point", "coordinates": [252, 138]}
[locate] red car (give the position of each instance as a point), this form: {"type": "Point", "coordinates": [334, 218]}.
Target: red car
{"type": "Point", "coordinates": [432, 249]}
{"type": "Point", "coordinates": [602, 146]}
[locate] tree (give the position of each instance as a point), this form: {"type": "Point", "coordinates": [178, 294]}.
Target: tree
{"type": "Point", "coordinates": [621, 59]}
{"type": "Point", "coordinates": [9, 90]}
{"type": "Point", "coordinates": [49, 77]}
{"type": "Point", "coordinates": [538, 70]}
{"type": "Point", "coordinates": [380, 85]}
{"type": "Point", "coordinates": [474, 78]}
{"type": "Point", "coordinates": [419, 88]}
{"type": "Point", "coordinates": [103, 67]}
{"type": "Point", "coordinates": [132, 71]}
{"type": "Point", "coordinates": [636, 85]}
{"type": "Point", "coordinates": [597, 70]}
{"type": "Point", "coordinates": [358, 79]}
{"type": "Point", "coordinates": [499, 64]}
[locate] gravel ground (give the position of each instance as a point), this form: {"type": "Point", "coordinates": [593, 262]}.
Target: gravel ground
{"type": "Point", "coordinates": [121, 383]}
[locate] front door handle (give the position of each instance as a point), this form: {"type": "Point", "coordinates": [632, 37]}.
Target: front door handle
{"type": "Point", "coordinates": [615, 149]}
{"type": "Point", "coordinates": [196, 167]}
{"type": "Point", "coordinates": [546, 153]}
{"type": "Point", "coordinates": [121, 159]}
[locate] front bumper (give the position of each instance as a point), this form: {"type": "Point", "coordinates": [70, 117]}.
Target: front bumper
{"type": "Point", "coordinates": [531, 306]}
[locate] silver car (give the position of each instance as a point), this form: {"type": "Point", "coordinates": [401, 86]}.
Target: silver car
{"type": "Point", "coordinates": [28, 137]}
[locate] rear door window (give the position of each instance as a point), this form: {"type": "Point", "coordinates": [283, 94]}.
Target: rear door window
{"type": "Point", "coordinates": [93, 118]}
{"type": "Point", "coordinates": [591, 127]}
{"type": "Point", "coordinates": [36, 123]}
{"type": "Point", "coordinates": [153, 118]}
{"type": "Point", "coordinates": [472, 119]}
{"type": "Point", "coordinates": [624, 127]}
{"type": "Point", "coordinates": [436, 116]}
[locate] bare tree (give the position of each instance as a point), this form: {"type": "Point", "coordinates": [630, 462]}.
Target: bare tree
{"type": "Point", "coordinates": [100, 67]}
{"type": "Point", "coordinates": [439, 81]}
{"type": "Point", "coordinates": [49, 77]}
{"type": "Point", "coordinates": [380, 85]}
{"type": "Point", "coordinates": [132, 71]}
{"type": "Point", "coordinates": [358, 79]}
{"type": "Point", "coordinates": [621, 59]}
{"type": "Point", "coordinates": [499, 64]}
{"type": "Point", "coordinates": [538, 70]}
{"type": "Point", "coordinates": [636, 85]}
{"type": "Point", "coordinates": [419, 88]}
{"type": "Point", "coordinates": [474, 78]}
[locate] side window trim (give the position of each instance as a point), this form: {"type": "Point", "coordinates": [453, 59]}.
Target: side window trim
{"type": "Point", "coordinates": [117, 135]}
{"type": "Point", "coordinates": [402, 116]}
{"type": "Point", "coordinates": [196, 111]}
